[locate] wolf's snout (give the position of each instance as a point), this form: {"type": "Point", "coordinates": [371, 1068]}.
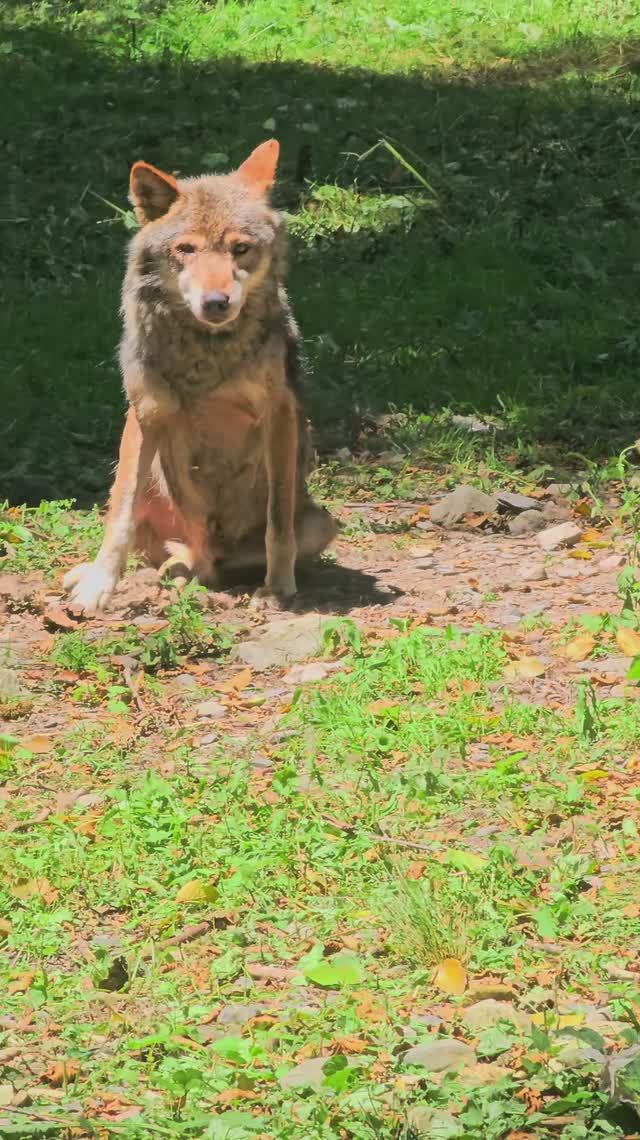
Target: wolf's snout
{"type": "Point", "coordinates": [215, 305]}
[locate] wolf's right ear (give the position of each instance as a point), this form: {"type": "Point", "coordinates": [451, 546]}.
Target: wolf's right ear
{"type": "Point", "coordinates": [151, 192]}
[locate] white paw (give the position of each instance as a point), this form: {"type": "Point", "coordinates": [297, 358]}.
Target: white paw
{"type": "Point", "coordinates": [89, 587]}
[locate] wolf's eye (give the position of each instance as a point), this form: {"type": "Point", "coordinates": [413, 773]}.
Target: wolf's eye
{"type": "Point", "coordinates": [240, 248]}
{"type": "Point", "coordinates": [185, 247]}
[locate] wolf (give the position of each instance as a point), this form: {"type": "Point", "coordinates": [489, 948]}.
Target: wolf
{"type": "Point", "coordinates": [211, 475]}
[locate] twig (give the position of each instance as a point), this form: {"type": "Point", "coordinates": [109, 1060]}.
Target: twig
{"type": "Point", "coordinates": [272, 973]}
{"type": "Point", "coordinates": [398, 842]}
{"type": "Point", "coordinates": [186, 935]}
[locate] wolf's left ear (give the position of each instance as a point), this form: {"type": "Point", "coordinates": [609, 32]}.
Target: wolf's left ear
{"type": "Point", "coordinates": [151, 191]}
{"type": "Point", "coordinates": [259, 169]}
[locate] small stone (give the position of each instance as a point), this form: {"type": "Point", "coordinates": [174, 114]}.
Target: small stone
{"type": "Point", "coordinates": [513, 502]}
{"type": "Point", "coordinates": [442, 1056]}
{"type": "Point", "coordinates": [533, 572]}
{"type": "Point", "coordinates": [309, 1074]}
{"type": "Point", "coordinates": [611, 562]}
{"type": "Point", "coordinates": [529, 522]}
{"type": "Point", "coordinates": [556, 512]}
{"type": "Point", "coordinates": [558, 489]}
{"type": "Point", "coordinates": [473, 424]}
{"type": "Point", "coordinates": [313, 671]}
{"type": "Point", "coordinates": [208, 738]}
{"type": "Point", "coordinates": [10, 687]}
{"type": "Point", "coordinates": [239, 1014]}
{"type": "Point", "coordinates": [269, 124]}
{"type": "Point", "coordinates": [566, 534]}
{"type": "Point", "coordinates": [210, 710]}
{"type": "Point", "coordinates": [282, 642]}
{"type": "Point", "coordinates": [433, 1122]}
{"type": "Point", "coordinates": [463, 501]}
{"type": "Point", "coordinates": [485, 1014]}
{"type": "Point", "coordinates": [186, 681]}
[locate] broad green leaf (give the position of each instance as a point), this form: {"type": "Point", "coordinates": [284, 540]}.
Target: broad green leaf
{"type": "Point", "coordinates": [465, 860]}
{"type": "Point", "coordinates": [342, 969]}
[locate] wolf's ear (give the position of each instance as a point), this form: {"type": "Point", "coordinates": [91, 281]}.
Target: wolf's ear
{"type": "Point", "coordinates": [259, 169]}
{"type": "Point", "coordinates": [151, 192]}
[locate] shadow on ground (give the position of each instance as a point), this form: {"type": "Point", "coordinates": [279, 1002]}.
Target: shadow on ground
{"type": "Point", "coordinates": [514, 293]}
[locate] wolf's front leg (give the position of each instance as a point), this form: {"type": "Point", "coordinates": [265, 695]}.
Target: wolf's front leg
{"type": "Point", "coordinates": [281, 449]}
{"type": "Point", "coordinates": [91, 585]}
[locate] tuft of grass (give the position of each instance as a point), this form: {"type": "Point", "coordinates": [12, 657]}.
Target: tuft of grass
{"type": "Point", "coordinates": [426, 923]}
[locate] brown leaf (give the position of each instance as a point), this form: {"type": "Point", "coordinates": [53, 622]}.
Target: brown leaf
{"type": "Point", "coordinates": [38, 744]}
{"type": "Point", "coordinates": [32, 888]}
{"type": "Point", "coordinates": [235, 684]}
{"type": "Point", "coordinates": [579, 647]}
{"type": "Point", "coordinates": [21, 984]}
{"type": "Point", "coordinates": [450, 976]}
{"type": "Point", "coordinates": [348, 1044]}
{"type": "Point", "coordinates": [58, 618]}
{"type": "Point", "coordinates": [628, 641]}
{"type": "Point", "coordinates": [526, 667]}
{"type": "Point", "coordinates": [60, 1073]}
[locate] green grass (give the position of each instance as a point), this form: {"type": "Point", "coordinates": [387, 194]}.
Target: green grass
{"type": "Point", "coordinates": [491, 269]}
{"type": "Point", "coordinates": [93, 891]}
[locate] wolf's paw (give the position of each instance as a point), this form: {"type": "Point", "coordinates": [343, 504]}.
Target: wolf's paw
{"type": "Point", "coordinates": [89, 587]}
{"type": "Point", "coordinates": [276, 595]}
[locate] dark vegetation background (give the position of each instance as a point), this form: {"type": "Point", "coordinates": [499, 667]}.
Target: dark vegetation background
{"type": "Point", "coordinates": [507, 287]}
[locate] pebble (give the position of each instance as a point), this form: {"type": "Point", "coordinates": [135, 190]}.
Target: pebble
{"type": "Point", "coordinates": [566, 534]}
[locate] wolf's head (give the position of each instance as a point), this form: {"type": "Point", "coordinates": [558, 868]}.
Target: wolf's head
{"type": "Point", "coordinates": [211, 240]}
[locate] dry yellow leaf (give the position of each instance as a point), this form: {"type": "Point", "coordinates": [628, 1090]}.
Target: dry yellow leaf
{"type": "Point", "coordinates": [36, 887]}
{"type": "Point", "coordinates": [628, 641]}
{"type": "Point", "coordinates": [235, 684]}
{"type": "Point", "coordinates": [450, 976]}
{"type": "Point", "coordinates": [585, 555]}
{"type": "Point", "coordinates": [195, 891]}
{"type": "Point", "coordinates": [527, 667]}
{"type": "Point", "coordinates": [579, 648]}
{"type": "Point", "coordinates": [38, 744]}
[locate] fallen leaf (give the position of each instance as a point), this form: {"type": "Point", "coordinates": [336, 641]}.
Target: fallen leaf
{"type": "Point", "coordinates": [628, 641]}
{"type": "Point", "coordinates": [579, 647]}
{"type": "Point", "coordinates": [196, 891]}
{"type": "Point", "coordinates": [450, 976]}
{"type": "Point", "coordinates": [61, 1072]}
{"type": "Point", "coordinates": [58, 618]}
{"type": "Point", "coordinates": [39, 745]}
{"type": "Point", "coordinates": [21, 984]}
{"type": "Point", "coordinates": [526, 667]}
{"type": "Point", "coordinates": [348, 1044]}
{"type": "Point", "coordinates": [584, 555]}
{"type": "Point", "coordinates": [235, 684]}
{"type": "Point", "coordinates": [33, 888]}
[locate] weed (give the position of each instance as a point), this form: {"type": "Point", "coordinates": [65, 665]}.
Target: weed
{"type": "Point", "coordinates": [426, 922]}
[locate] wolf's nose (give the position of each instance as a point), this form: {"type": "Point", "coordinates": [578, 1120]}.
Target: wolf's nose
{"type": "Point", "coordinates": [214, 304]}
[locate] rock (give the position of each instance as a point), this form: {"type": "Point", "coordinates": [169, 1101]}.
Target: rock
{"type": "Point", "coordinates": [566, 534]}
{"type": "Point", "coordinates": [533, 572]}
{"type": "Point", "coordinates": [557, 490]}
{"type": "Point", "coordinates": [472, 424]}
{"type": "Point", "coordinates": [556, 512]}
{"type": "Point", "coordinates": [10, 687]}
{"type": "Point", "coordinates": [443, 1055]}
{"type": "Point", "coordinates": [487, 1013]}
{"type": "Point", "coordinates": [210, 710]}
{"type": "Point", "coordinates": [282, 642]}
{"type": "Point", "coordinates": [186, 681]}
{"type": "Point", "coordinates": [435, 1123]}
{"type": "Point", "coordinates": [313, 671]}
{"type": "Point", "coordinates": [309, 1074]}
{"type": "Point", "coordinates": [239, 1014]}
{"type": "Point", "coordinates": [463, 501]}
{"type": "Point", "coordinates": [529, 522]}
{"type": "Point", "coordinates": [509, 501]}
{"type": "Point", "coordinates": [612, 562]}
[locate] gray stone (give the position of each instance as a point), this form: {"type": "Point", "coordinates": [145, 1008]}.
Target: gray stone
{"type": "Point", "coordinates": [612, 562]}
{"type": "Point", "coordinates": [558, 489]}
{"type": "Point", "coordinates": [282, 642]}
{"type": "Point", "coordinates": [509, 501]}
{"type": "Point", "coordinates": [566, 534]}
{"type": "Point", "coordinates": [435, 1123]}
{"type": "Point", "coordinates": [487, 1013]}
{"type": "Point", "coordinates": [443, 1055]}
{"type": "Point", "coordinates": [533, 572]}
{"type": "Point", "coordinates": [186, 681]}
{"type": "Point", "coordinates": [463, 501]}
{"type": "Point", "coordinates": [309, 1074]}
{"type": "Point", "coordinates": [239, 1014]}
{"type": "Point", "coordinates": [556, 512]}
{"type": "Point", "coordinates": [473, 424]}
{"type": "Point", "coordinates": [10, 687]}
{"type": "Point", "coordinates": [211, 710]}
{"type": "Point", "coordinates": [529, 522]}
{"type": "Point", "coordinates": [313, 671]}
